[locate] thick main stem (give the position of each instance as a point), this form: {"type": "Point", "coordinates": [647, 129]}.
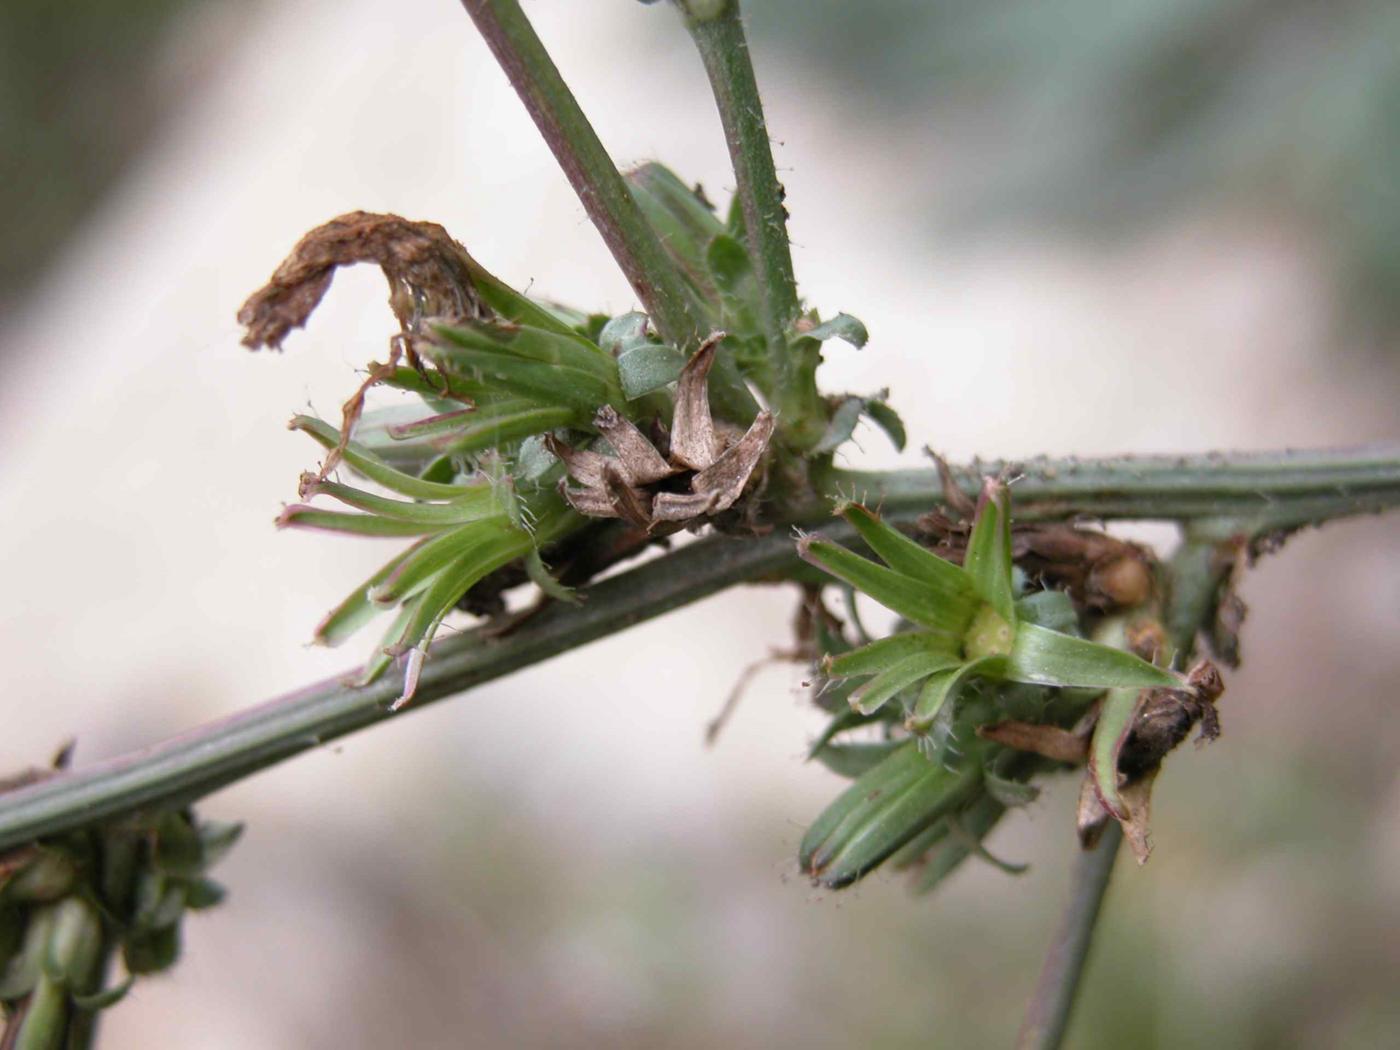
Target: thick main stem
{"type": "Point", "coordinates": [1252, 492]}
{"type": "Point", "coordinates": [1052, 1003]}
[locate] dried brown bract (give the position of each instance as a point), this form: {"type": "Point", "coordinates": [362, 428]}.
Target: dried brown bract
{"type": "Point", "coordinates": [704, 469]}
{"type": "Point", "coordinates": [429, 276]}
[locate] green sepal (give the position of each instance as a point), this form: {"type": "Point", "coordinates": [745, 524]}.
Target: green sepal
{"type": "Point", "coordinates": [988, 559]}
{"type": "Point", "coordinates": [841, 425]}
{"type": "Point", "coordinates": [558, 349]}
{"type": "Point", "coordinates": [529, 362]}
{"type": "Point", "coordinates": [1043, 657]}
{"type": "Point", "coordinates": [152, 951]}
{"type": "Point", "coordinates": [216, 838]}
{"type": "Point", "coordinates": [547, 582]}
{"type": "Point", "coordinates": [203, 894]}
{"type": "Point", "coordinates": [1110, 734]}
{"type": "Point", "coordinates": [902, 594]}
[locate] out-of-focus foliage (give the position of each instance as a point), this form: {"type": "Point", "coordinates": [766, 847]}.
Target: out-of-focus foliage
{"type": "Point", "coordinates": [1104, 115]}
{"type": "Point", "coordinates": [77, 100]}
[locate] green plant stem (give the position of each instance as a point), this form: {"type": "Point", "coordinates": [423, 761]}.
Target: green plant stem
{"type": "Point", "coordinates": [589, 169]}
{"type": "Point", "coordinates": [1239, 494]}
{"type": "Point", "coordinates": [1052, 1003]}
{"type": "Point", "coordinates": [724, 51]}
{"type": "Point", "coordinates": [1286, 485]}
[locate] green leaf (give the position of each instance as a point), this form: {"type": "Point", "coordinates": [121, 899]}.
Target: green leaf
{"type": "Point", "coordinates": [648, 368]}
{"type": "Point", "coordinates": [511, 305]}
{"type": "Point", "coordinates": [545, 580]}
{"type": "Point", "coordinates": [894, 680]}
{"type": "Point", "coordinates": [105, 998]}
{"type": "Point", "coordinates": [988, 558]}
{"type": "Point", "coordinates": [944, 580]}
{"type": "Point", "coordinates": [1043, 657]}
{"type": "Point", "coordinates": [1110, 734]}
{"type": "Point", "coordinates": [1010, 793]}
{"type": "Point", "coordinates": [841, 425]}
{"type": "Point", "coordinates": [554, 383]}
{"type": "Point", "coordinates": [368, 465]}
{"type": "Point", "coordinates": [844, 327]}
{"type": "Point", "coordinates": [879, 655]}
{"type": "Point", "coordinates": [887, 419]}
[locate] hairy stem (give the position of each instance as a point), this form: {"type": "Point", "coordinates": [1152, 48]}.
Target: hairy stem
{"type": "Point", "coordinates": [1048, 1014]}
{"type": "Point", "coordinates": [1258, 491]}
{"type": "Point", "coordinates": [719, 37]}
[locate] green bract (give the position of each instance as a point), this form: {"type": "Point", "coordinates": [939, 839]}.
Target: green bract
{"type": "Point", "coordinates": [966, 621]}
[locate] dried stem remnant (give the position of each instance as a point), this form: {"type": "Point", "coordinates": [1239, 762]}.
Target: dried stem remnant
{"type": "Point", "coordinates": [429, 275]}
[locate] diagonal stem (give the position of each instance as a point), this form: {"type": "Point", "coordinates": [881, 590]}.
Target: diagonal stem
{"type": "Point", "coordinates": [1047, 1017]}
{"type": "Point", "coordinates": [589, 169]}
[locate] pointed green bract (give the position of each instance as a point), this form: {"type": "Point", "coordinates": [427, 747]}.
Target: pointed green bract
{"type": "Point", "coordinates": [370, 466]}
{"type": "Point", "coordinates": [357, 609]}
{"type": "Point", "coordinates": [493, 429]}
{"type": "Point", "coordinates": [988, 559]}
{"type": "Point", "coordinates": [943, 687]}
{"type": "Point", "coordinates": [431, 557]}
{"type": "Point", "coordinates": [898, 677]}
{"type": "Point", "coordinates": [300, 516]}
{"type": "Point", "coordinates": [550, 347]}
{"type": "Point", "coordinates": [909, 597]}
{"type": "Point", "coordinates": [1044, 657]}
{"type": "Point", "coordinates": [469, 504]}
{"type": "Point", "coordinates": [879, 655]}
{"type": "Point", "coordinates": [944, 580]}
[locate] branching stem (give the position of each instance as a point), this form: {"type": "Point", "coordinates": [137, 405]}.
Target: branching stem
{"type": "Point", "coordinates": [1251, 492]}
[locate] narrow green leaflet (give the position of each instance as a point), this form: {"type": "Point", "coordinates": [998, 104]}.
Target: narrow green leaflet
{"type": "Point", "coordinates": [841, 425]}
{"type": "Point", "coordinates": [468, 504]}
{"type": "Point", "coordinates": [1043, 657]}
{"type": "Point", "coordinates": [854, 760]}
{"type": "Point", "coordinates": [491, 430]}
{"type": "Point", "coordinates": [549, 347]}
{"type": "Point", "coordinates": [431, 557]}
{"type": "Point", "coordinates": [887, 419]}
{"type": "Point", "coordinates": [1110, 734]}
{"type": "Point", "coordinates": [977, 821]}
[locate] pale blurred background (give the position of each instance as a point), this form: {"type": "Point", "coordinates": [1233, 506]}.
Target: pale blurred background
{"type": "Point", "coordinates": [557, 859]}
